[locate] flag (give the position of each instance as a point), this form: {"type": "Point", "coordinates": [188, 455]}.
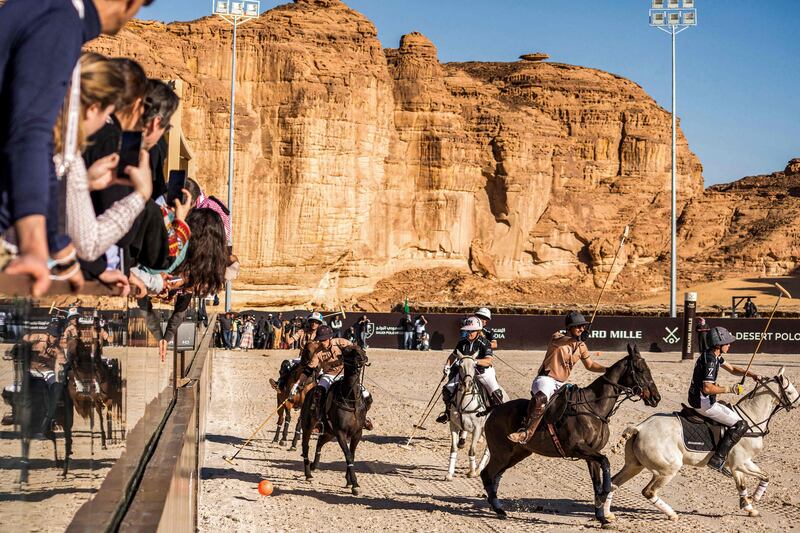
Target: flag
{"type": "Point", "coordinates": [406, 309]}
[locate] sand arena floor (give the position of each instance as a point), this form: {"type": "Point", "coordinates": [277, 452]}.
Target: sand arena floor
{"type": "Point", "coordinates": [405, 490]}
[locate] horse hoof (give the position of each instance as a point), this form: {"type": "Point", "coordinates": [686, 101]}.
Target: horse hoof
{"type": "Point", "coordinates": [104, 447]}
{"type": "Point", "coordinates": [673, 517]}
{"type": "Point", "coordinates": [611, 517]}
{"type": "Point", "coordinates": [461, 443]}
{"type": "Point", "coordinates": [309, 477]}
{"type": "Point", "coordinates": [282, 443]}
{"type": "Point", "coordinates": [501, 514]}
{"type": "Point", "coordinates": [753, 513]}
{"type": "Point", "coordinates": [293, 449]}
{"type": "Point", "coordinates": [472, 474]}
{"type": "Point", "coordinates": [448, 477]}
{"type": "Point", "coordinates": [355, 491]}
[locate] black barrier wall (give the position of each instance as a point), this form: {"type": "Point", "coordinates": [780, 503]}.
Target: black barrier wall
{"type": "Point", "coordinates": [531, 332]}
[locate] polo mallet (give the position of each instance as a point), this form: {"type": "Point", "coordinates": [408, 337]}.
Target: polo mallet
{"type": "Point", "coordinates": [426, 412]}
{"type": "Point", "coordinates": [761, 339]}
{"type": "Point", "coordinates": [621, 244]}
{"type": "Point", "coordinates": [264, 423]}
{"type": "Point", "coordinates": [339, 312]}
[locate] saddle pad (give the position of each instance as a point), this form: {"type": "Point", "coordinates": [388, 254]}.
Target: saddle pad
{"type": "Point", "coordinates": [699, 437]}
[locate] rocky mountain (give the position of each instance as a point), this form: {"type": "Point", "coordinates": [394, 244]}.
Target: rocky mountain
{"type": "Point", "coordinates": [356, 162]}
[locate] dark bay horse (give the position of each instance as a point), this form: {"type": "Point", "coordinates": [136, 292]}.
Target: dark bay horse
{"type": "Point", "coordinates": [580, 418]}
{"type": "Point", "coordinates": [285, 406]}
{"type": "Point", "coordinates": [346, 412]}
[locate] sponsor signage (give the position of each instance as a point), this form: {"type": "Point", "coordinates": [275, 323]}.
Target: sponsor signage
{"type": "Point", "coordinates": [531, 332]}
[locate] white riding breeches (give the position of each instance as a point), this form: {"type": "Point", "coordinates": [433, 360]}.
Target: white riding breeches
{"type": "Point", "coordinates": [326, 380]}
{"type": "Point", "coordinates": [718, 412]}
{"type": "Point", "coordinates": [546, 385]}
{"type": "Point", "coordinates": [48, 376]}
{"type": "Point", "coordinates": [488, 379]}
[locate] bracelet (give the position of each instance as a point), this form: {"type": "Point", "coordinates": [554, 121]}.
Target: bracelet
{"type": "Point", "coordinates": [61, 272]}
{"type": "Point", "coordinates": [67, 260]}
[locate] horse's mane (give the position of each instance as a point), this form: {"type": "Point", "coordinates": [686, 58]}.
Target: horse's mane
{"type": "Point", "coordinates": [604, 376]}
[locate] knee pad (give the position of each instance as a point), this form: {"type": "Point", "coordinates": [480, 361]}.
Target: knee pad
{"type": "Point", "coordinates": [739, 429]}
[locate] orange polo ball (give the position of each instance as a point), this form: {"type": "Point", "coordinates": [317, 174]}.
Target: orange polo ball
{"type": "Point", "coordinates": [265, 487]}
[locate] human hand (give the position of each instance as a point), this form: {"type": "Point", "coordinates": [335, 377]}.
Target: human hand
{"type": "Point", "coordinates": [755, 377]}
{"type": "Point", "coordinates": [736, 389]}
{"type": "Point", "coordinates": [36, 268]}
{"type": "Point", "coordinates": [103, 172]}
{"type": "Point", "coordinates": [139, 290]}
{"type": "Point", "coordinates": [183, 205]}
{"type": "Point", "coordinates": [117, 279]}
{"type": "Point", "coordinates": [446, 370]}
{"type": "Point", "coordinates": [295, 389]}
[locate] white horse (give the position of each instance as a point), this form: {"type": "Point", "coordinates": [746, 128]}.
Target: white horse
{"type": "Point", "coordinates": [657, 445]}
{"type": "Point", "coordinates": [464, 410]}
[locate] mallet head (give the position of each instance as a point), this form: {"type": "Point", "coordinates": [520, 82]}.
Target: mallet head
{"type": "Point", "coordinates": [625, 232]}
{"type": "Point", "coordinates": [228, 460]}
{"type": "Point", "coordinates": [784, 291]}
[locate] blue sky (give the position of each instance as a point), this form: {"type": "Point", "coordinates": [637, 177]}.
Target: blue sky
{"type": "Point", "coordinates": [738, 70]}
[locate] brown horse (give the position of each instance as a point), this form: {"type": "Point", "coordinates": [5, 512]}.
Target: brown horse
{"type": "Point", "coordinates": [346, 413]}
{"type": "Point", "coordinates": [579, 417]}
{"type": "Point", "coordinates": [95, 386]}
{"type": "Point", "coordinates": [294, 403]}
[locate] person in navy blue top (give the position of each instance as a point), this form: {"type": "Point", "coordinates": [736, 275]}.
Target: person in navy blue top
{"type": "Point", "coordinates": [703, 392]}
{"type": "Point", "coordinates": [40, 43]}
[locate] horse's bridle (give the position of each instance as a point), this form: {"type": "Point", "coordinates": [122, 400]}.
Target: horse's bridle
{"type": "Point", "coordinates": [784, 403]}
{"type": "Point", "coordinates": [473, 391]}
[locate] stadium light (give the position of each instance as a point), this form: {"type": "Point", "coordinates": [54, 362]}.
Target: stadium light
{"type": "Point", "coordinates": [235, 13]}
{"type": "Point", "coordinates": [673, 20]}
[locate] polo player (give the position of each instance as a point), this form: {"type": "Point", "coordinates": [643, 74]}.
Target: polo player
{"type": "Point", "coordinates": [479, 347]}
{"type": "Point", "coordinates": [325, 354]}
{"type": "Point", "coordinates": [563, 352]}
{"type": "Point", "coordinates": [704, 389]}
{"type": "Point", "coordinates": [301, 337]}
{"type": "Point", "coordinates": [485, 317]}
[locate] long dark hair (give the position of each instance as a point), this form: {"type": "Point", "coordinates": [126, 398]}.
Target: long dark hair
{"type": "Point", "coordinates": [207, 257]}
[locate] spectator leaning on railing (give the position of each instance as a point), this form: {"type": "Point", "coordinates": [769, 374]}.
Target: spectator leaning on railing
{"type": "Point", "coordinates": [40, 43]}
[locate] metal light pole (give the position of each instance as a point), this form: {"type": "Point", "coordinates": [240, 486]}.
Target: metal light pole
{"type": "Point", "coordinates": [236, 14]}
{"type": "Point", "coordinates": [673, 17]}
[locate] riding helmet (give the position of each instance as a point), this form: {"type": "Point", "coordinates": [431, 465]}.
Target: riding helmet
{"type": "Point", "coordinates": [54, 329]}
{"type": "Point", "coordinates": [324, 333]}
{"type": "Point", "coordinates": [719, 336]}
{"type": "Point", "coordinates": [316, 316]}
{"type": "Point", "coordinates": [575, 318]}
{"type": "Point", "coordinates": [484, 313]}
{"type": "Point", "coordinates": [472, 324]}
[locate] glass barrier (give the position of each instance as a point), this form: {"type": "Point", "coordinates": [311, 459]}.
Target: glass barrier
{"type": "Point", "coordinates": [83, 381]}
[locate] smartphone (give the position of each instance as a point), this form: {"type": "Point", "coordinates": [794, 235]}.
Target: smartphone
{"type": "Point", "coordinates": [177, 180]}
{"type": "Point", "coordinates": [129, 147]}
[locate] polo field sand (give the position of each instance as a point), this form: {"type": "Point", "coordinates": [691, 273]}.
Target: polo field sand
{"type": "Point", "coordinates": [405, 490]}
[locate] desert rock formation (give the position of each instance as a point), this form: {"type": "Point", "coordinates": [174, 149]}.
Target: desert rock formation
{"type": "Point", "coordinates": [355, 162]}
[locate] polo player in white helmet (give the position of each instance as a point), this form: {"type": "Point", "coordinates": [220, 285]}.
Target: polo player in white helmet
{"type": "Point", "coordinates": [704, 389]}
{"type": "Point", "coordinates": [477, 346]}
{"type": "Point", "coordinates": [485, 316]}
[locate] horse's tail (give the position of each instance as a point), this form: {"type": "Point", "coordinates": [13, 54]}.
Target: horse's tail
{"type": "Point", "coordinates": [629, 433]}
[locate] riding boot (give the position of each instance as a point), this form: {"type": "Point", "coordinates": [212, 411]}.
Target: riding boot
{"type": "Point", "coordinates": [496, 398]}
{"type": "Point", "coordinates": [535, 411]}
{"type": "Point", "coordinates": [447, 396]}
{"type": "Point", "coordinates": [733, 435]}
{"type": "Point", "coordinates": [368, 425]}
{"type": "Point", "coordinates": [318, 407]}
{"type": "Point", "coordinates": [52, 403]}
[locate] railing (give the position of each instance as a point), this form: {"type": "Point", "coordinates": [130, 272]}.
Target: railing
{"type": "Point", "coordinates": [101, 375]}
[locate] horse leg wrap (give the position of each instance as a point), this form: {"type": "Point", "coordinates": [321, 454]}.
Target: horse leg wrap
{"type": "Point", "coordinates": [452, 468]}
{"type": "Point", "coordinates": [607, 504]}
{"type": "Point", "coordinates": [663, 506]}
{"type": "Point", "coordinates": [484, 460]}
{"type": "Point", "coordinates": [762, 488]}
{"type": "Point", "coordinates": [473, 463]}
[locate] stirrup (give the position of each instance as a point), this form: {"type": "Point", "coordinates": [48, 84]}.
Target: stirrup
{"type": "Point", "coordinates": [520, 437]}
{"type": "Point", "coordinates": [722, 469]}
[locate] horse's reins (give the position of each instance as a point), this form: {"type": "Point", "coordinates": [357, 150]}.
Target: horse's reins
{"type": "Point", "coordinates": [630, 393]}
{"type": "Point", "coordinates": [784, 403]}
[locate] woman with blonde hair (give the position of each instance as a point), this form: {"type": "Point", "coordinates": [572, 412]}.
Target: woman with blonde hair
{"type": "Point", "coordinates": [100, 88]}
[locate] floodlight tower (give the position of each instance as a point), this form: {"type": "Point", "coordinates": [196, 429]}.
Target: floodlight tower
{"type": "Point", "coordinates": [673, 17]}
{"type": "Point", "coordinates": [235, 13]}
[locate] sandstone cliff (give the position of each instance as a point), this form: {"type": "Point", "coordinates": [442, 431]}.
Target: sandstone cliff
{"type": "Point", "coordinates": [355, 162]}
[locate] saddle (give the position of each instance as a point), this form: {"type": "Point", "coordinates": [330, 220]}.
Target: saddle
{"type": "Point", "coordinates": [700, 434]}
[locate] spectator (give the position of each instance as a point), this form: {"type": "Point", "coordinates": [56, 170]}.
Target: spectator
{"type": "Point", "coordinates": [277, 332]}
{"type": "Point", "coordinates": [336, 326]}
{"type": "Point", "coordinates": [226, 326]}
{"type": "Point", "coordinates": [247, 328]}
{"type": "Point", "coordinates": [40, 43]}
{"type": "Point", "coordinates": [236, 331]}
{"type": "Point", "coordinates": [350, 335]}
{"type": "Point", "coordinates": [702, 329]}
{"type": "Point", "coordinates": [419, 325]}
{"type": "Point", "coordinates": [407, 325]}
{"type": "Point", "coordinates": [750, 309]}
{"type": "Point", "coordinates": [362, 331]}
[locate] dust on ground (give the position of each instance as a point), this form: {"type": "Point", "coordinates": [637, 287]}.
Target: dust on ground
{"type": "Point", "coordinates": [404, 490]}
